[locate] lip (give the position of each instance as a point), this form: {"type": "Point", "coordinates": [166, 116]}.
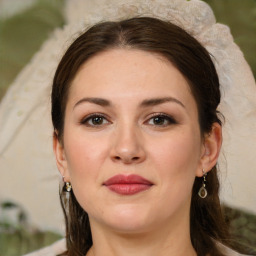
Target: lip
{"type": "Point", "coordinates": [127, 184]}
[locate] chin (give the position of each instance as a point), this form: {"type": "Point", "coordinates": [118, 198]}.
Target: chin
{"type": "Point", "coordinates": [128, 219]}
{"type": "Point", "coordinates": [123, 218]}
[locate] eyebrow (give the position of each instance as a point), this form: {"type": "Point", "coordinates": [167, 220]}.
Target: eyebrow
{"type": "Point", "coordinates": [144, 103]}
{"type": "Point", "coordinates": [157, 101]}
{"type": "Point", "coordinates": [97, 101]}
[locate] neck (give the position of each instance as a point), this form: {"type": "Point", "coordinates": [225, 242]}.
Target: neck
{"type": "Point", "coordinates": [172, 239]}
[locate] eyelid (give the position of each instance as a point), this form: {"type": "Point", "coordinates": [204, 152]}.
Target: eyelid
{"type": "Point", "coordinates": [170, 118]}
{"type": "Point", "coordinates": [88, 117]}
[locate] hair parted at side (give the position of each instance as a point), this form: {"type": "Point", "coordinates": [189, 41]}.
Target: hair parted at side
{"type": "Point", "coordinates": [207, 224]}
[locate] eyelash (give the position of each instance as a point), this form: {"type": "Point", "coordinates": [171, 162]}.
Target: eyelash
{"type": "Point", "coordinates": [85, 120]}
{"type": "Point", "coordinates": [169, 119]}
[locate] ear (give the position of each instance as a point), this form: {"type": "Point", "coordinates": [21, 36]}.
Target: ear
{"type": "Point", "coordinates": [210, 149]}
{"type": "Point", "coordinates": [60, 157]}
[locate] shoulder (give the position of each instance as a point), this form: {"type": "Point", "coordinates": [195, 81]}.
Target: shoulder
{"type": "Point", "coordinates": [52, 250]}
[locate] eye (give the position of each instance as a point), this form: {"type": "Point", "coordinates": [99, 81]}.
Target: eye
{"type": "Point", "coordinates": [160, 119]}
{"type": "Point", "coordinates": [95, 120]}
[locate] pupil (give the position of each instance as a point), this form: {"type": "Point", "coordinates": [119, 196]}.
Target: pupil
{"type": "Point", "coordinates": [158, 120]}
{"type": "Point", "coordinates": [97, 120]}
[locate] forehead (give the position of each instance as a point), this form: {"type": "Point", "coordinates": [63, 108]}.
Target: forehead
{"type": "Point", "coordinates": [125, 74]}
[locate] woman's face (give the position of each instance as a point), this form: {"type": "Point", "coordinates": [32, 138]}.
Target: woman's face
{"type": "Point", "coordinates": [132, 144]}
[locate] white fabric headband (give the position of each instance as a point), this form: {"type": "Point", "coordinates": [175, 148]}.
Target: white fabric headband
{"type": "Point", "coordinates": [238, 104]}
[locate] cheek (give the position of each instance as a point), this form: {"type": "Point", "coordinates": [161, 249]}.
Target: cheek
{"type": "Point", "coordinates": [85, 155]}
{"type": "Point", "coordinates": [178, 150]}
{"type": "Point", "coordinates": [177, 158]}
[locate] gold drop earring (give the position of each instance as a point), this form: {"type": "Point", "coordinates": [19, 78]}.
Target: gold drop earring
{"type": "Point", "coordinates": [202, 191]}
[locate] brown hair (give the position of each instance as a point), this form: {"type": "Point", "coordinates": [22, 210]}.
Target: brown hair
{"type": "Point", "coordinates": [194, 62]}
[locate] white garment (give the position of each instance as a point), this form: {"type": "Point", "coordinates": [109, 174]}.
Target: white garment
{"type": "Point", "coordinates": [60, 246]}
{"type": "Point", "coordinates": [52, 250]}
{"type": "Point", "coordinates": [27, 165]}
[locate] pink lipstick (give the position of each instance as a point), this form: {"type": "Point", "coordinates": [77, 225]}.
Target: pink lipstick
{"type": "Point", "coordinates": [127, 185]}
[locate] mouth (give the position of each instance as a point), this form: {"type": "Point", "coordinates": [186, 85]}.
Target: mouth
{"type": "Point", "coordinates": [127, 185]}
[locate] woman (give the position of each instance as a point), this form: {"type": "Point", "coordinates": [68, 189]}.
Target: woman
{"type": "Point", "coordinates": [137, 138]}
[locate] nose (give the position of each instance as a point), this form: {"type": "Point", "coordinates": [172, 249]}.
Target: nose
{"type": "Point", "coordinates": [128, 146]}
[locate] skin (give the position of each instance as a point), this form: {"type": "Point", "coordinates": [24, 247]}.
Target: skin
{"type": "Point", "coordinates": [129, 139]}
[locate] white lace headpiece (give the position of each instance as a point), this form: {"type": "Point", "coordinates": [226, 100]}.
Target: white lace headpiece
{"type": "Point", "coordinates": [31, 90]}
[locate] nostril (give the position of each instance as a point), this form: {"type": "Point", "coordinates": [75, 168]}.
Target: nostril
{"type": "Point", "coordinates": [126, 159]}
